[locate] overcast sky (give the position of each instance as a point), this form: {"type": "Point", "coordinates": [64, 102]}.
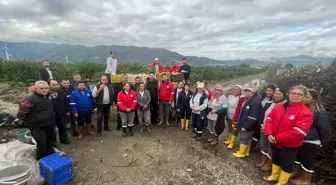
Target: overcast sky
{"type": "Point", "coordinates": [219, 29]}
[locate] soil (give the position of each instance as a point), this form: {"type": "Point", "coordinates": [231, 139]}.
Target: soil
{"type": "Point", "coordinates": [167, 156]}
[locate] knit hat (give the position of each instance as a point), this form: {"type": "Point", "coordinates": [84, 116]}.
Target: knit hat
{"type": "Point", "coordinates": [271, 86]}
{"type": "Point", "coordinates": [282, 90]}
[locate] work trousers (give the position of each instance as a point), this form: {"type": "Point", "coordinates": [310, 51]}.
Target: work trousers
{"type": "Point", "coordinates": [103, 113]}
{"type": "Point", "coordinates": [284, 157]}
{"type": "Point", "coordinates": [44, 140]}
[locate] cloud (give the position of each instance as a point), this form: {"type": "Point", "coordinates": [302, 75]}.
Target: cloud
{"type": "Point", "coordinates": [219, 29]}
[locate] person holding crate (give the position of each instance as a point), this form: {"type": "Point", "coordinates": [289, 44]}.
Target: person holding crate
{"type": "Point", "coordinates": [166, 97]}
{"type": "Point", "coordinates": [175, 68]}
{"type": "Point", "coordinates": [111, 66]}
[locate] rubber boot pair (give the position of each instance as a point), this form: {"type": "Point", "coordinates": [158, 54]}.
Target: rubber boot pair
{"type": "Point", "coordinates": [182, 123]}
{"type": "Point", "coordinates": [278, 175]}
{"type": "Point", "coordinates": [142, 129]}
{"type": "Point", "coordinates": [232, 142]}
{"type": "Point", "coordinates": [244, 151]}
{"type": "Point", "coordinates": [89, 129]}
{"type": "Point", "coordinates": [130, 131]}
{"type": "Point", "coordinates": [80, 132]}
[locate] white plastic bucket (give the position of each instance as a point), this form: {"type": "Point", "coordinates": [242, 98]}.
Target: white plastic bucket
{"type": "Point", "coordinates": [20, 181]}
{"type": "Point", "coordinates": [15, 173]}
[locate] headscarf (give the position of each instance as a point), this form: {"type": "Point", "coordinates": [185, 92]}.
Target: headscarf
{"type": "Point", "coordinates": [217, 93]}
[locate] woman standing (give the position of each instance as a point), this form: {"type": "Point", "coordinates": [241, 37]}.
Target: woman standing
{"type": "Point", "coordinates": [248, 121]}
{"type": "Point", "coordinates": [127, 102]}
{"type": "Point", "coordinates": [286, 127]}
{"type": "Point", "coordinates": [266, 163]}
{"type": "Point", "coordinates": [216, 117]}
{"type": "Point", "coordinates": [177, 90]}
{"type": "Point", "coordinates": [235, 101]}
{"type": "Point", "coordinates": [319, 134]}
{"type": "Point", "coordinates": [198, 105]}
{"type": "Point", "coordinates": [267, 97]}
{"type": "Point", "coordinates": [143, 107]}
{"type": "Point", "coordinates": [183, 106]}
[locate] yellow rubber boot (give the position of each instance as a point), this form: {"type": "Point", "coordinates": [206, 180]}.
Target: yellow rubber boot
{"type": "Point", "coordinates": [275, 174]}
{"type": "Point", "coordinates": [186, 124]}
{"type": "Point", "coordinates": [227, 142]}
{"type": "Point", "coordinates": [182, 124]}
{"type": "Point", "coordinates": [232, 142]}
{"type": "Point", "coordinates": [247, 153]}
{"type": "Point", "coordinates": [284, 177]}
{"type": "Point", "coordinates": [241, 152]}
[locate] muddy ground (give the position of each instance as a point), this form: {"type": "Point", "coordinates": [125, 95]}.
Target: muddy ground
{"type": "Point", "coordinates": [166, 156]}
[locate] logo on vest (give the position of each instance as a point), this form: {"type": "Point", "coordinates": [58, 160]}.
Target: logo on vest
{"type": "Point", "coordinates": [291, 117]}
{"type": "Point", "coordinates": [248, 107]}
{"type": "Point", "coordinates": [167, 86]}
{"type": "Point", "coordinates": [131, 95]}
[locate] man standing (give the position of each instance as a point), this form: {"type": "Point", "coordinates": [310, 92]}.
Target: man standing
{"type": "Point", "coordinates": [185, 70]}
{"type": "Point", "coordinates": [81, 107]}
{"type": "Point", "coordinates": [45, 73]}
{"type": "Point", "coordinates": [104, 94]}
{"type": "Point", "coordinates": [65, 86]}
{"type": "Point", "coordinates": [111, 66]}
{"type": "Point", "coordinates": [76, 79]}
{"type": "Point", "coordinates": [38, 112]}
{"type": "Point", "coordinates": [175, 68]}
{"type": "Point", "coordinates": [156, 67]}
{"type": "Point", "coordinates": [137, 83]}
{"type": "Point", "coordinates": [61, 108]}
{"type": "Point", "coordinates": [152, 85]}
{"type": "Point", "coordinates": [166, 97]}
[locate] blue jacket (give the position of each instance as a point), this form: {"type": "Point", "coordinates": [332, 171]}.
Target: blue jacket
{"type": "Point", "coordinates": [81, 102]}
{"type": "Point", "coordinates": [320, 131]}
{"type": "Point", "coordinates": [250, 114]}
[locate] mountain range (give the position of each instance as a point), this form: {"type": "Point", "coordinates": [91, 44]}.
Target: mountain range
{"type": "Point", "coordinates": [77, 53]}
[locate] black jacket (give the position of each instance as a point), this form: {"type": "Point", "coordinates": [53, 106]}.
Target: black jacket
{"type": "Point", "coordinates": [153, 88]}
{"type": "Point", "coordinates": [250, 114]}
{"type": "Point", "coordinates": [320, 131]}
{"type": "Point", "coordinates": [42, 113]}
{"type": "Point", "coordinates": [175, 95]}
{"type": "Point", "coordinates": [183, 100]}
{"type": "Point", "coordinates": [99, 98]}
{"type": "Point", "coordinates": [44, 75]}
{"type": "Point", "coordinates": [186, 67]}
{"type": "Point", "coordinates": [61, 103]}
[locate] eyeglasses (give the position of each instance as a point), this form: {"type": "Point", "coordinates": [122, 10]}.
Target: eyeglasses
{"type": "Point", "coordinates": [296, 94]}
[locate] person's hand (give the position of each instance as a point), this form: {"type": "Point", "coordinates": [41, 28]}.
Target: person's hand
{"type": "Point", "coordinates": [262, 126]}
{"type": "Point", "coordinates": [101, 86]}
{"type": "Point", "coordinates": [243, 130]}
{"type": "Point", "coordinates": [68, 114]}
{"type": "Point", "coordinates": [213, 111]}
{"type": "Point", "coordinates": [178, 110]}
{"type": "Point", "coordinates": [76, 115]}
{"type": "Point", "coordinates": [272, 139]}
{"type": "Point", "coordinates": [170, 102]}
{"type": "Point", "coordinates": [128, 110]}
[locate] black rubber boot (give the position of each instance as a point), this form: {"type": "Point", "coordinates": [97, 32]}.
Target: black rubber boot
{"type": "Point", "coordinates": [130, 131]}
{"type": "Point", "coordinates": [124, 132]}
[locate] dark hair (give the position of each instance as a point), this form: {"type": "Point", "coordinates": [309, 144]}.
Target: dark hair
{"type": "Point", "coordinates": [137, 77]}
{"type": "Point", "coordinates": [125, 75]}
{"type": "Point", "coordinates": [45, 61]}
{"type": "Point", "coordinates": [180, 82]}
{"type": "Point", "coordinates": [184, 58]}
{"type": "Point", "coordinates": [65, 80]}
{"type": "Point", "coordinates": [151, 73]}
{"type": "Point", "coordinates": [141, 83]}
{"type": "Point", "coordinates": [81, 82]}
{"type": "Point", "coordinates": [164, 74]}
{"type": "Point", "coordinates": [113, 52]}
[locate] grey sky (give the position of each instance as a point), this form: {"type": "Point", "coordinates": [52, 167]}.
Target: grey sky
{"type": "Point", "coordinates": [219, 29]}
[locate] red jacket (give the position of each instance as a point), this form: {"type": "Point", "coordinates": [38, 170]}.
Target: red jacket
{"type": "Point", "coordinates": [127, 100]}
{"type": "Point", "coordinates": [161, 68]}
{"type": "Point", "coordinates": [240, 103]}
{"type": "Point", "coordinates": [166, 92]}
{"type": "Point", "coordinates": [209, 93]}
{"type": "Point", "coordinates": [289, 127]}
{"type": "Point", "coordinates": [175, 69]}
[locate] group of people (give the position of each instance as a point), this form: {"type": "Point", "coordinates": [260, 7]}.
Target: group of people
{"type": "Point", "coordinates": [290, 125]}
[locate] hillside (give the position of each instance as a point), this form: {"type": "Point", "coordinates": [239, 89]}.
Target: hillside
{"type": "Point", "coordinates": [132, 54]}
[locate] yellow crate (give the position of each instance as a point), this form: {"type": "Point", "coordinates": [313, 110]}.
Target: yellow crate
{"type": "Point", "coordinates": [159, 76]}
{"type": "Point", "coordinates": [116, 78]}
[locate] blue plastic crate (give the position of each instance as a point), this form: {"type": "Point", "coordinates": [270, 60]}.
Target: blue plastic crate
{"type": "Point", "coordinates": [56, 170]}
